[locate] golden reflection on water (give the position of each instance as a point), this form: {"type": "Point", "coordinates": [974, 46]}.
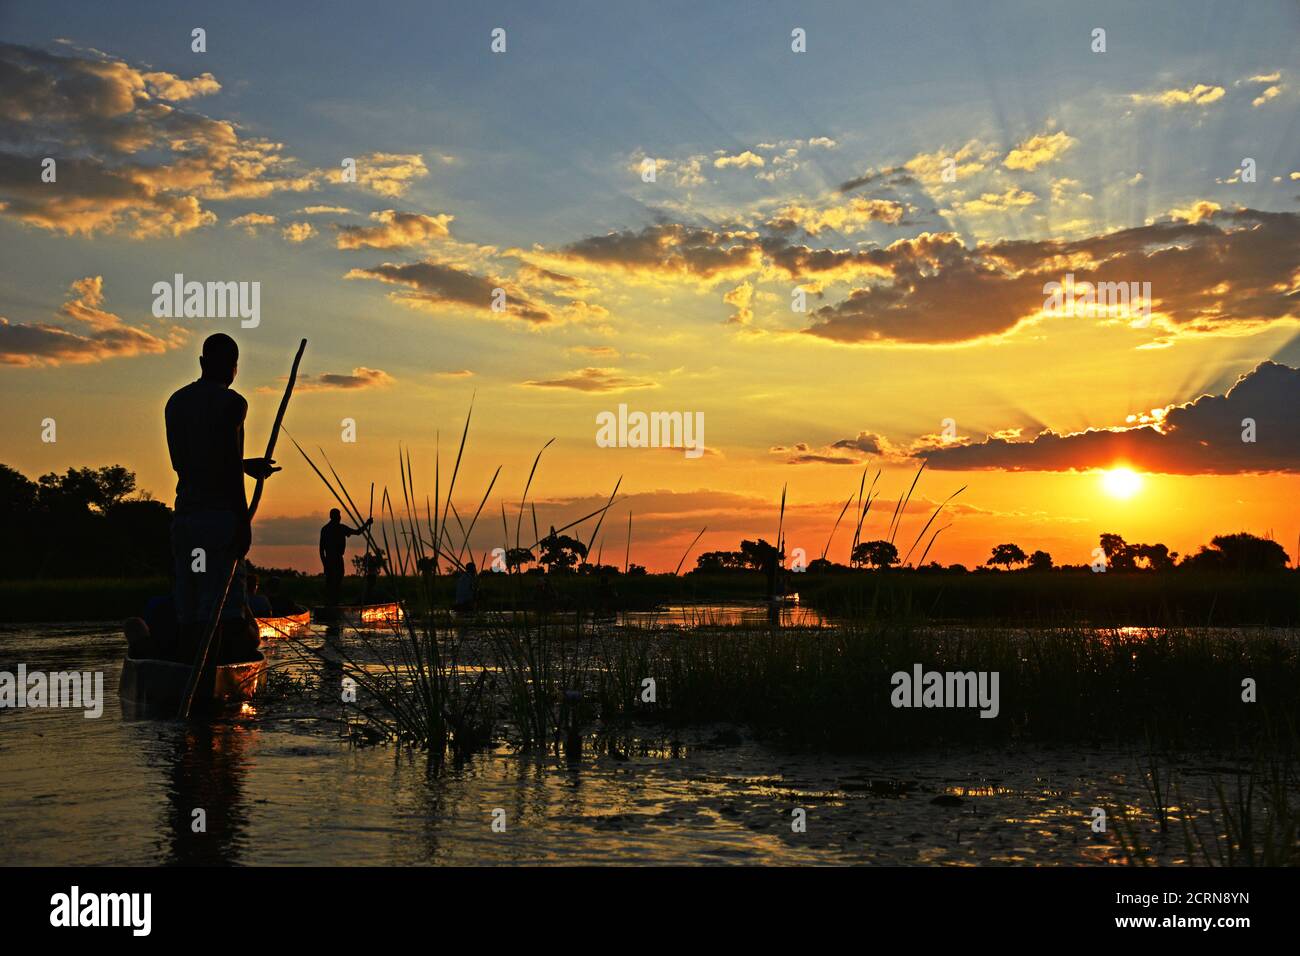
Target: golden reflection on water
{"type": "Point", "coordinates": [279, 787]}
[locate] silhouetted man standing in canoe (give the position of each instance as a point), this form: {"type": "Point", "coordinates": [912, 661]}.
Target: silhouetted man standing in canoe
{"type": "Point", "coordinates": [333, 542]}
{"type": "Point", "coordinates": [205, 437]}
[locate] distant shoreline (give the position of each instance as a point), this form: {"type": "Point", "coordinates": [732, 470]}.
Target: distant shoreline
{"type": "Point", "coordinates": [1138, 599]}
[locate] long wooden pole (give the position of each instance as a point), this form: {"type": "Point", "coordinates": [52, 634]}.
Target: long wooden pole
{"type": "Point", "coordinates": [205, 647]}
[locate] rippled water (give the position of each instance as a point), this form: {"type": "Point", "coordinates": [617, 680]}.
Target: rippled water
{"type": "Point", "coordinates": [278, 786]}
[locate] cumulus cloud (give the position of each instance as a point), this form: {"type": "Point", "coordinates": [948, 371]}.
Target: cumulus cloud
{"type": "Point", "coordinates": [127, 157]}
{"type": "Point", "coordinates": [845, 217]}
{"type": "Point", "coordinates": [846, 451]}
{"type": "Point", "coordinates": [388, 174]}
{"type": "Point", "coordinates": [440, 287]}
{"type": "Point", "coordinates": [594, 380]}
{"type": "Point", "coordinates": [742, 160]}
{"type": "Point", "coordinates": [169, 86]}
{"type": "Point", "coordinates": [96, 334]}
{"type": "Point", "coordinates": [967, 160]}
{"type": "Point", "coordinates": [298, 231]}
{"type": "Point", "coordinates": [1221, 272]}
{"type": "Point", "coordinates": [1204, 436]}
{"type": "Point", "coordinates": [987, 203]}
{"type": "Point", "coordinates": [1199, 95]}
{"type": "Point", "coordinates": [670, 249]}
{"type": "Point", "coordinates": [1038, 151]}
{"type": "Point", "coordinates": [251, 222]}
{"type": "Point", "coordinates": [741, 298]}
{"type": "Point", "coordinates": [396, 230]}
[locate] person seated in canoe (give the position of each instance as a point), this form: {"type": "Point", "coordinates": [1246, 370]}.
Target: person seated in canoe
{"type": "Point", "coordinates": [372, 562]}
{"type": "Point", "coordinates": [281, 606]}
{"type": "Point", "coordinates": [466, 589]}
{"type": "Point", "coordinates": [152, 636]}
{"type": "Point", "coordinates": [258, 603]}
{"type": "Point", "coordinates": [333, 542]}
{"type": "Point", "coordinates": [211, 532]}
{"type": "Point", "coordinates": [606, 595]}
{"type": "Point", "coordinates": [545, 596]}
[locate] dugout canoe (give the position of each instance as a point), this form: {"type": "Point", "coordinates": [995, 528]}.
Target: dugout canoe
{"type": "Point", "coordinates": [269, 628]}
{"type": "Point", "coordinates": [155, 685]}
{"type": "Point", "coordinates": [359, 614]}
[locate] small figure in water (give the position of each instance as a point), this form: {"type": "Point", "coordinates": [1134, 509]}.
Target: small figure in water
{"type": "Point", "coordinates": [211, 532]}
{"type": "Point", "coordinates": [281, 606]}
{"type": "Point", "coordinates": [258, 603]}
{"type": "Point", "coordinates": [466, 589]}
{"type": "Point", "coordinates": [333, 542]}
{"type": "Point", "coordinates": [372, 562]}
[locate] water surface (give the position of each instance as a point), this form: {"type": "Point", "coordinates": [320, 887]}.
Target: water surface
{"type": "Point", "coordinates": [279, 785]}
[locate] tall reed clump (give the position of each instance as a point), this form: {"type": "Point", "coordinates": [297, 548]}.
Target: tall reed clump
{"type": "Point", "coordinates": [418, 681]}
{"type": "Point", "coordinates": [411, 679]}
{"type": "Point", "coordinates": [1252, 819]}
{"type": "Point", "coordinates": [831, 687]}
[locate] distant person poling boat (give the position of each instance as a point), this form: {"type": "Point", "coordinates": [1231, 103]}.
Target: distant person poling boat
{"type": "Point", "coordinates": [333, 542]}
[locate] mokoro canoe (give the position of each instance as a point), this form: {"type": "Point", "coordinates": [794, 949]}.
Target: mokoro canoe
{"type": "Point", "coordinates": [389, 613]}
{"type": "Point", "coordinates": [158, 685]}
{"type": "Point", "coordinates": [269, 628]}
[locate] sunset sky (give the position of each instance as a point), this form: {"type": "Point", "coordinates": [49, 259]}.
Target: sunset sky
{"type": "Point", "coordinates": [774, 171]}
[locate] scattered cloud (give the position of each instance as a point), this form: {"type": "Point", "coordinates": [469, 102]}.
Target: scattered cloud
{"type": "Point", "coordinates": [742, 160]}
{"type": "Point", "coordinates": [298, 231]}
{"type": "Point", "coordinates": [359, 378]}
{"type": "Point", "coordinates": [126, 157]}
{"type": "Point", "coordinates": [442, 287]}
{"type": "Point", "coordinates": [388, 174]}
{"type": "Point", "coordinates": [1038, 151]}
{"type": "Point", "coordinates": [95, 336]}
{"type": "Point", "coordinates": [1201, 94]}
{"type": "Point", "coordinates": [396, 230]}
{"type": "Point", "coordinates": [251, 222]}
{"type": "Point", "coordinates": [1211, 271]}
{"type": "Point", "coordinates": [594, 380]}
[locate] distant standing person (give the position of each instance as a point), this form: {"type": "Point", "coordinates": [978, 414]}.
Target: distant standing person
{"type": "Point", "coordinates": [466, 588]}
{"type": "Point", "coordinates": [333, 542]}
{"type": "Point", "coordinates": [211, 531]}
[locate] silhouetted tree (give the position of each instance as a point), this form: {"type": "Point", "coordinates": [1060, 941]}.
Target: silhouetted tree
{"type": "Point", "coordinates": [1238, 552]}
{"type": "Point", "coordinates": [1040, 561]}
{"type": "Point", "coordinates": [560, 552]}
{"type": "Point", "coordinates": [81, 523]}
{"type": "Point", "coordinates": [1006, 555]}
{"type": "Point", "coordinates": [756, 554]}
{"type": "Point", "coordinates": [516, 558]}
{"type": "Point", "coordinates": [711, 561]}
{"type": "Point", "coordinates": [877, 554]}
{"type": "Point", "coordinates": [1118, 555]}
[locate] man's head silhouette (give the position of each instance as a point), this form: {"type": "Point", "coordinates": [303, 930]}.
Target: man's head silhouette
{"type": "Point", "coordinates": [335, 514]}
{"type": "Point", "coordinates": [220, 358]}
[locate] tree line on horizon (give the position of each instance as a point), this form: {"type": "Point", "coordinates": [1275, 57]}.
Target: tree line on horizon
{"type": "Point", "coordinates": [1226, 552]}
{"type": "Point", "coordinates": [92, 522]}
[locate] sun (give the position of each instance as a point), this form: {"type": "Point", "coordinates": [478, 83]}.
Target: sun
{"type": "Point", "coordinates": [1121, 482]}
